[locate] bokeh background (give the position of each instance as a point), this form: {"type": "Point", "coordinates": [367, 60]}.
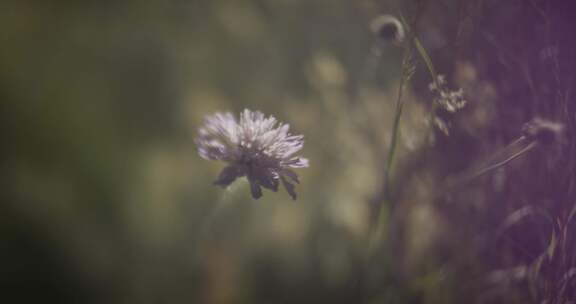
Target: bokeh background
{"type": "Point", "coordinates": [105, 200]}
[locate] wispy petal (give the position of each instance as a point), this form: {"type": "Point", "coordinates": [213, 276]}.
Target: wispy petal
{"type": "Point", "coordinates": [255, 189]}
{"type": "Point", "coordinates": [228, 175]}
{"type": "Point", "coordinates": [291, 174]}
{"type": "Point", "coordinates": [289, 188]}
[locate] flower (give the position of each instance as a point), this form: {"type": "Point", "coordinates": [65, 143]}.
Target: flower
{"type": "Point", "coordinates": [254, 146]}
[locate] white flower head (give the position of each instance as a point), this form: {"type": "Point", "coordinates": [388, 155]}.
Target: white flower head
{"type": "Point", "coordinates": [254, 146]}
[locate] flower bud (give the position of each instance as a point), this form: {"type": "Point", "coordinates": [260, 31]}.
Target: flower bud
{"type": "Point", "coordinates": [388, 28]}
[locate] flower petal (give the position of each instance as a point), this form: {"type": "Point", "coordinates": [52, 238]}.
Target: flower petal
{"type": "Point", "coordinates": [289, 188]}
{"type": "Point", "coordinates": [255, 189]}
{"type": "Point", "coordinates": [265, 177]}
{"type": "Point", "coordinates": [229, 175]}
{"type": "Point", "coordinates": [291, 174]}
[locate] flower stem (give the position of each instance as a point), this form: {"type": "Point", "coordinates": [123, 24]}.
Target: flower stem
{"type": "Point", "coordinates": [396, 124]}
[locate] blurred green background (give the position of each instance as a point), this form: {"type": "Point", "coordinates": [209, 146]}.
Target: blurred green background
{"type": "Point", "coordinates": [105, 199]}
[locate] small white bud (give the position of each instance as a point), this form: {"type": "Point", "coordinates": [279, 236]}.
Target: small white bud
{"type": "Point", "coordinates": [388, 28]}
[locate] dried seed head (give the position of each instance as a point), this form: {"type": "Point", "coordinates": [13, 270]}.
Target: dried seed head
{"type": "Point", "coordinates": [449, 102]}
{"type": "Point", "coordinates": [388, 28]}
{"type": "Point", "coordinates": [543, 131]}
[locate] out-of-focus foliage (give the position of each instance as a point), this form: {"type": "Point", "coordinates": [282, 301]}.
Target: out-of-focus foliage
{"type": "Point", "coordinates": [105, 199]}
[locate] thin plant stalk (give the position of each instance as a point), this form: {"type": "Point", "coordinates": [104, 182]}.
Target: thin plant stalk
{"type": "Point", "coordinates": [428, 62]}
{"type": "Point", "coordinates": [406, 71]}
{"type": "Point", "coordinates": [430, 66]}
{"type": "Point", "coordinates": [491, 167]}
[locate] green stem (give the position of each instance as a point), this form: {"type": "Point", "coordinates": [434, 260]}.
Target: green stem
{"type": "Point", "coordinates": [430, 66]}
{"type": "Point", "coordinates": [427, 60]}
{"type": "Point", "coordinates": [384, 195]}
{"type": "Point", "coordinates": [396, 125]}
